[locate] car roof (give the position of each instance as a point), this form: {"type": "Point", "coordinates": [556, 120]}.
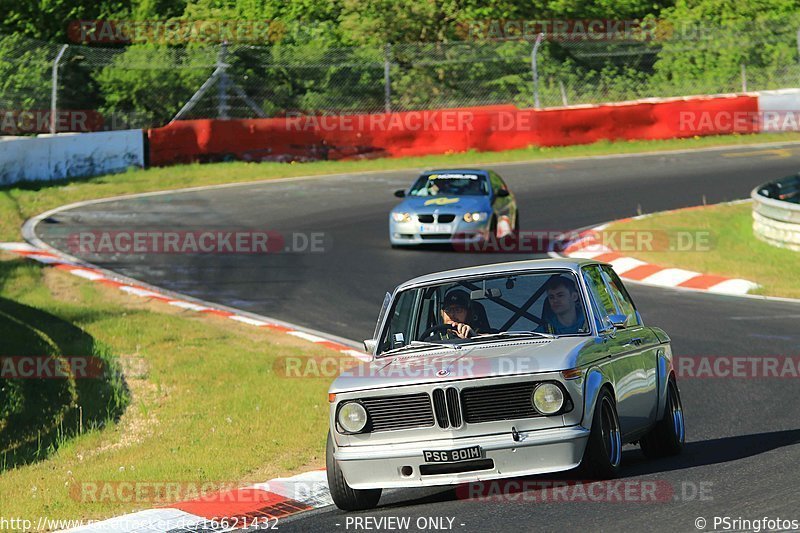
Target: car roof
{"type": "Point", "coordinates": [480, 172]}
{"type": "Point", "coordinates": [501, 268]}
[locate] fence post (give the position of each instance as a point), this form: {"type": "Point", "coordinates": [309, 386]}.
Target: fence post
{"type": "Point", "coordinates": [535, 69]}
{"type": "Point", "coordinates": [744, 78]}
{"type": "Point", "coordinates": [563, 92]}
{"type": "Point", "coordinates": [222, 85]}
{"type": "Point", "coordinates": [387, 80]}
{"type": "Point", "coordinates": [798, 42]}
{"type": "Point", "coordinates": [54, 90]}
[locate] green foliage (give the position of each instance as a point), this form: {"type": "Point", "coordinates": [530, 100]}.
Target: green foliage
{"type": "Point", "coordinates": [131, 86]}
{"type": "Point", "coordinates": [712, 39]}
{"type": "Point", "coordinates": [329, 56]}
{"type": "Point", "coordinates": [48, 20]}
{"type": "Point", "coordinates": [25, 74]}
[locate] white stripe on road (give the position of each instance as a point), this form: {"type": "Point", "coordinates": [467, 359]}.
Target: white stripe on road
{"type": "Point", "coordinates": [670, 277]}
{"type": "Point", "coordinates": [149, 521]}
{"type": "Point", "coordinates": [248, 320]}
{"type": "Point", "coordinates": [733, 286]}
{"type": "Point", "coordinates": [307, 336]}
{"type": "Point", "coordinates": [624, 264]}
{"type": "Point", "coordinates": [188, 305]}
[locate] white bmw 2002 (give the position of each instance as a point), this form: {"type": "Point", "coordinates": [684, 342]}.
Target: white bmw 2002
{"type": "Point", "coordinates": [499, 371]}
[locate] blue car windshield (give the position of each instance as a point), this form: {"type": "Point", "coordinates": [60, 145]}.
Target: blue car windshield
{"type": "Point", "coordinates": [450, 184]}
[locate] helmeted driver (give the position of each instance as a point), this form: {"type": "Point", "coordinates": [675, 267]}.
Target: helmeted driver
{"type": "Point", "coordinates": [455, 313]}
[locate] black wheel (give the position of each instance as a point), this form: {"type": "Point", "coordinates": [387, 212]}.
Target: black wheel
{"type": "Point", "coordinates": [669, 434]}
{"type": "Point", "coordinates": [345, 497]}
{"type": "Point", "coordinates": [516, 221]}
{"type": "Point", "coordinates": [603, 455]}
{"type": "Point", "coordinates": [493, 228]}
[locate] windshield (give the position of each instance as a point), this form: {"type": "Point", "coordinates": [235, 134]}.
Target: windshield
{"type": "Point", "coordinates": [544, 304]}
{"type": "Point", "coordinates": [450, 184]}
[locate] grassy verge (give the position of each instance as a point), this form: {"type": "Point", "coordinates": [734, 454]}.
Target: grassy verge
{"type": "Point", "coordinates": [206, 405]}
{"type": "Point", "coordinates": [21, 202]}
{"type": "Point", "coordinates": [733, 249]}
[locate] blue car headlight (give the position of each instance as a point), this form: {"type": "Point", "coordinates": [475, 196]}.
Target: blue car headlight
{"type": "Point", "coordinates": [401, 217]}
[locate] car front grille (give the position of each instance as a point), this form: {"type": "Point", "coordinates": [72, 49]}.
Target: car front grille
{"type": "Point", "coordinates": [434, 236]}
{"type": "Point", "coordinates": [399, 412]}
{"type": "Point", "coordinates": [451, 408]}
{"type": "Point", "coordinates": [447, 406]}
{"type": "Point", "coordinates": [443, 218]}
{"type": "Point", "coordinates": [498, 402]}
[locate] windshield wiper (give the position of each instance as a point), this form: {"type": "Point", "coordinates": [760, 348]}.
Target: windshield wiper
{"type": "Point", "coordinates": [415, 344]}
{"type": "Point", "coordinates": [514, 334]}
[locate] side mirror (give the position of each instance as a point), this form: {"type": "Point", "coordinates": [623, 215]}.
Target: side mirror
{"type": "Point", "coordinates": [400, 193]}
{"type": "Point", "coordinates": [369, 346]}
{"type": "Point", "coordinates": [618, 321]}
{"type": "Point", "coordinates": [502, 193]}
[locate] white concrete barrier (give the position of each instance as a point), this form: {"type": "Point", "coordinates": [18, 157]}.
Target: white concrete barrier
{"type": "Point", "coordinates": [779, 110]}
{"type": "Point", "coordinates": [69, 155]}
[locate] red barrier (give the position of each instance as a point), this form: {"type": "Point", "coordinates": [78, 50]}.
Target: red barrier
{"type": "Point", "coordinates": [415, 133]}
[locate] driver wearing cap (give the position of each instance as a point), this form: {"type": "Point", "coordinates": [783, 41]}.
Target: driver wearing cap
{"type": "Point", "coordinates": [455, 312]}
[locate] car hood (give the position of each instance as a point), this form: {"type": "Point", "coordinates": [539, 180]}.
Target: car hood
{"type": "Point", "coordinates": [451, 363]}
{"type": "Point", "coordinates": [429, 204]}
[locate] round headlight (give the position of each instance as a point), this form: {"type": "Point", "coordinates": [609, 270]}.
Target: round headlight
{"type": "Point", "coordinates": [547, 398]}
{"type": "Point", "coordinates": [352, 417]}
{"type": "Point", "coordinates": [401, 217]}
{"type": "Point", "coordinates": [475, 217]}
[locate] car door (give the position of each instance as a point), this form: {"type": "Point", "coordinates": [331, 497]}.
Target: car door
{"type": "Point", "coordinates": [626, 366]}
{"type": "Point", "coordinates": [636, 334]}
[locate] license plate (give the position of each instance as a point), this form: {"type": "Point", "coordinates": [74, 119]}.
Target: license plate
{"type": "Point", "coordinates": [452, 456]}
{"type": "Point", "coordinates": [435, 228]}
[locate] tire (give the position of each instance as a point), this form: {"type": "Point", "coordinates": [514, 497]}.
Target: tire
{"type": "Point", "coordinates": [493, 228]}
{"type": "Point", "coordinates": [345, 497]}
{"type": "Point", "coordinates": [603, 455]}
{"type": "Point", "coordinates": [669, 434]}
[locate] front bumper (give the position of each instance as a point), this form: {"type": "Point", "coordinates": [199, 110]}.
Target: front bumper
{"type": "Point", "coordinates": [537, 452]}
{"type": "Point", "coordinates": [413, 233]}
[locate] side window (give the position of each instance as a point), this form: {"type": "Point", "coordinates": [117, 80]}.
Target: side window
{"type": "Point", "coordinates": [497, 183]}
{"type": "Point", "coordinates": [603, 301]}
{"type": "Point", "coordinates": [400, 328]}
{"type": "Point", "coordinates": [624, 301]}
{"type": "Point", "coordinates": [501, 182]}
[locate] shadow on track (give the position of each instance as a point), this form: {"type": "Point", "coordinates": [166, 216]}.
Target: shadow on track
{"type": "Point", "coordinates": [695, 454]}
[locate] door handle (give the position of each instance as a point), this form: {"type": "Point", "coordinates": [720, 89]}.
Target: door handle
{"type": "Point", "coordinates": [637, 341]}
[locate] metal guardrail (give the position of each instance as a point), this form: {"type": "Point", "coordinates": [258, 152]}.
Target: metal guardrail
{"type": "Point", "coordinates": [776, 212]}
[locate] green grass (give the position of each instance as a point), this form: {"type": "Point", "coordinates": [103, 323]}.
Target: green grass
{"type": "Point", "coordinates": [205, 404]}
{"type": "Point", "coordinates": [17, 203]}
{"type": "Point", "coordinates": [39, 415]}
{"type": "Point", "coordinates": [733, 250]}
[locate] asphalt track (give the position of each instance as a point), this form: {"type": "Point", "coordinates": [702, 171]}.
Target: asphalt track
{"type": "Point", "coordinates": [743, 436]}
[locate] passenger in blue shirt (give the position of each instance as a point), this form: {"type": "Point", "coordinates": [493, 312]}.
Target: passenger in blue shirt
{"type": "Point", "coordinates": [567, 316]}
